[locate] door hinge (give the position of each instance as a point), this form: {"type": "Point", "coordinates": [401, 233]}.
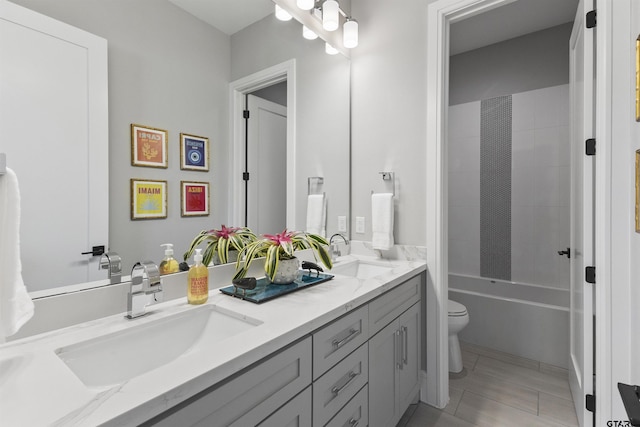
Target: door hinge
{"type": "Point", "coordinates": [590, 403]}
{"type": "Point", "coordinates": [591, 19]}
{"type": "Point", "coordinates": [245, 114]}
{"type": "Point", "coordinates": [590, 275]}
{"type": "Point", "coordinates": [590, 147]}
{"type": "Point", "coordinates": [245, 176]}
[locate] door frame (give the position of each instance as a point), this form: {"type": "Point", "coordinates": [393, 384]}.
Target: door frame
{"type": "Point", "coordinates": [440, 14]}
{"type": "Point", "coordinates": [285, 71]}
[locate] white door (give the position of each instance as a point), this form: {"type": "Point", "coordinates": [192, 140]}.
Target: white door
{"type": "Point", "coordinates": [582, 82]}
{"type": "Point", "coordinates": [267, 166]}
{"type": "Point", "coordinates": [54, 131]}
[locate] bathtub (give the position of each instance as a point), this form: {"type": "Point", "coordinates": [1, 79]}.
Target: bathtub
{"type": "Point", "coordinates": [526, 320]}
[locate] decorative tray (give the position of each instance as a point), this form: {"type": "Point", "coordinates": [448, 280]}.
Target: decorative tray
{"type": "Point", "coordinates": [265, 290]}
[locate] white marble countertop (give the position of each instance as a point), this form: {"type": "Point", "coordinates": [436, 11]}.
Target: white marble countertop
{"type": "Point", "coordinates": [37, 388]}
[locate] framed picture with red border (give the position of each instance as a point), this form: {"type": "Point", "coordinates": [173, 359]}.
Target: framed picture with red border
{"type": "Point", "coordinates": [194, 198]}
{"type": "Point", "coordinates": [148, 146]}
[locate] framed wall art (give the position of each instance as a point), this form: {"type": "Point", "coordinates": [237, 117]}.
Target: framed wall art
{"type": "Point", "coordinates": [637, 191]}
{"type": "Point", "coordinates": [194, 152]}
{"type": "Point", "coordinates": [148, 146]}
{"type": "Point", "coordinates": [148, 199]}
{"type": "Point", "coordinates": [194, 198]}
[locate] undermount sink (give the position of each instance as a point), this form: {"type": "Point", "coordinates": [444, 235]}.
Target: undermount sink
{"type": "Point", "coordinates": [120, 356]}
{"type": "Point", "coordinates": [361, 269]}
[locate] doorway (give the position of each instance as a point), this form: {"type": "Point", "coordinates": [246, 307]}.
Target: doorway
{"type": "Point", "coordinates": [265, 148]}
{"type": "Point", "coordinates": [441, 15]}
{"type": "Point", "coordinates": [239, 89]}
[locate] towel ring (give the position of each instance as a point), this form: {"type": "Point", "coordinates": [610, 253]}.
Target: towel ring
{"type": "Point", "coordinates": [318, 181]}
{"type": "Point", "coordinates": [389, 176]}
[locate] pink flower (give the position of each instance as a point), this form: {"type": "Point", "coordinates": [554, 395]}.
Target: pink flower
{"type": "Point", "coordinates": [278, 239]}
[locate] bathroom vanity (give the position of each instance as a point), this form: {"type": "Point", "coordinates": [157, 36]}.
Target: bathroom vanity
{"type": "Point", "coordinates": [342, 352]}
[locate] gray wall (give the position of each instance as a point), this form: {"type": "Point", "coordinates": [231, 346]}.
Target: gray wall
{"type": "Point", "coordinates": [168, 70]}
{"type": "Point", "coordinates": [388, 113]}
{"type": "Point", "coordinates": [533, 61]}
{"type": "Point", "coordinates": [275, 93]}
{"type": "Point", "coordinates": [322, 96]}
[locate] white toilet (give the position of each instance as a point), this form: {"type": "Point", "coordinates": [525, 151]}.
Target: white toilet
{"type": "Point", "coordinates": [458, 319]}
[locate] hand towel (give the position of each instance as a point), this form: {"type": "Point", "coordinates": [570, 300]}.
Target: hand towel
{"type": "Point", "coordinates": [16, 307]}
{"type": "Point", "coordinates": [382, 220]}
{"type": "Point", "coordinates": [316, 214]}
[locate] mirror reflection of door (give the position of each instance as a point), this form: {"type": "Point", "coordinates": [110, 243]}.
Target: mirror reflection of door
{"type": "Point", "coordinates": [266, 150]}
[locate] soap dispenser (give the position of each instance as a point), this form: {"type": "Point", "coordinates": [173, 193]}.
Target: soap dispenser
{"type": "Point", "coordinates": [198, 281]}
{"type": "Point", "coordinates": [169, 264]}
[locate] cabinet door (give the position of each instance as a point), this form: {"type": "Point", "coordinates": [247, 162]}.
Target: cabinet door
{"type": "Point", "coordinates": [383, 387]}
{"type": "Point", "coordinates": [409, 365]}
{"type": "Point", "coordinates": [296, 413]}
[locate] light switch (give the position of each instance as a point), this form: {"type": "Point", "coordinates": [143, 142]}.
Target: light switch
{"type": "Point", "coordinates": [342, 224]}
{"type": "Point", "coordinates": [360, 224]}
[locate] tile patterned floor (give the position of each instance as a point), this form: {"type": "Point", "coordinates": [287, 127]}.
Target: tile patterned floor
{"type": "Point", "coordinates": [500, 389]}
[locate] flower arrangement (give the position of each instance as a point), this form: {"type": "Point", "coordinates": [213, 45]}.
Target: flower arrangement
{"type": "Point", "coordinates": [220, 242]}
{"type": "Point", "coordinates": [279, 247]}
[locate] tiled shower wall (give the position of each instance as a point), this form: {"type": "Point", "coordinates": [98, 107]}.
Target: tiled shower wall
{"type": "Point", "coordinates": [540, 185]}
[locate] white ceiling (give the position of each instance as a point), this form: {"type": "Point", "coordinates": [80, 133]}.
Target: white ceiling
{"type": "Point", "coordinates": [229, 16]}
{"type": "Point", "coordinates": [510, 21]}
{"type": "Point", "coordinates": [503, 23]}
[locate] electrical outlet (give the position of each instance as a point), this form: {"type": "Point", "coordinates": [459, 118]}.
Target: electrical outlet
{"type": "Point", "coordinates": [360, 224]}
{"type": "Point", "coordinates": [342, 224]}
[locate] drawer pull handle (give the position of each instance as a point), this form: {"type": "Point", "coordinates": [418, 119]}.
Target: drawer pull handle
{"type": "Point", "coordinates": [397, 343]}
{"type": "Point", "coordinates": [337, 390]}
{"type": "Point", "coordinates": [405, 342]}
{"type": "Point", "coordinates": [354, 422]}
{"type": "Point", "coordinates": [352, 333]}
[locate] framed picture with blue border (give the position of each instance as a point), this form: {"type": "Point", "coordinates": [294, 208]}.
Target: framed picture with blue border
{"type": "Point", "coordinates": [194, 152]}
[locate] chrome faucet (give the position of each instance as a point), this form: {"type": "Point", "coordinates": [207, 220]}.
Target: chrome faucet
{"type": "Point", "coordinates": [146, 288]}
{"type": "Point", "coordinates": [112, 262]}
{"type": "Point", "coordinates": [334, 250]}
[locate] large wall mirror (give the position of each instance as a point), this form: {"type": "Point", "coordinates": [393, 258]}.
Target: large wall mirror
{"type": "Point", "coordinates": [170, 70]}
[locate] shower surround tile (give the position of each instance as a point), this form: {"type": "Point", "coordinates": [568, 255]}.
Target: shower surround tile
{"type": "Point", "coordinates": [495, 188]}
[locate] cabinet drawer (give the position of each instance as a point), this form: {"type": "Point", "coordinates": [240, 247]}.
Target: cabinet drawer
{"type": "Point", "coordinates": [296, 413]}
{"type": "Point", "coordinates": [335, 388]}
{"type": "Point", "coordinates": [355, 413]}
{"type": "Point", "coordinates": [387, 307]}
{"type": "Point", "coordinates": [336, 340]}
{"type": "Point", "coordinates": [250, 397]}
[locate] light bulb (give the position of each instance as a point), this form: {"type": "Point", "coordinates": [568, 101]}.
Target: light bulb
{"type": "Point", "coordinates": [330, 15]}
{"type": "Point", "coordinates": [330, 49]}
{"type": "Point", "coordinates": [305, 4]}
{"type": "Point", "coordinates": [350, 34]}
{"type": "Point", "coordinates": [282, 14]}
{"type": "Point", "coordinates": [308, 34]}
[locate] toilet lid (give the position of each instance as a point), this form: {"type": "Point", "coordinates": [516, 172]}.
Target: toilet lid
{"type": "Point", "coordinates": [456, 309]}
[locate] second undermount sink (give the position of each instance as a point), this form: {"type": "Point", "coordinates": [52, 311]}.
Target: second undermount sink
{"type": "Point", "coordinates": [361, 269]}
{"type": "Point", "coordinates": [120, 356]}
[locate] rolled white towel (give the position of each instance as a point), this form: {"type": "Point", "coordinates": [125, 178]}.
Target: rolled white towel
{"type": "Point", "coordinates": [316, 214]}
{"type": "Point", "coordinates": [382, 220]}
{"type": "Point", "coordinates": [16, 307]}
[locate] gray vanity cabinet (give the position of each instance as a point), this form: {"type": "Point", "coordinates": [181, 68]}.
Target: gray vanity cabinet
{"type": "Point", "coordinates": [394, 353]}
{"type": "Point", "coordinates": [360, 369]}
{"type": "Point", "coordinates": [251, 397]}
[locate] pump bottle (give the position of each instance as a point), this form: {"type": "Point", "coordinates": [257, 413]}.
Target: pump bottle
{"type": "Point", "coordinates": [169, 264]}
{"type": "Point", "coordinates": [198, 281]}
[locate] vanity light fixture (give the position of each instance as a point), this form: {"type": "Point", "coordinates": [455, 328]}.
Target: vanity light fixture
{"type": "Point", "coordinates": [330, 15]}
{"type": "Point", "coordinates": [306, 4]}
{"type": "Point", "coordinates": [330, 49]}
{"type": "Point", "coordinates": [282, 14]}
{"type": "Point", "coordinates": [308, 34]}
{"type": "Point", "coordinates": [350, 33]}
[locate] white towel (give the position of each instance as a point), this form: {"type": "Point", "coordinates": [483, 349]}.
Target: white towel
{"type": "Point", "coordinates": [16, 307]}
{"type": "Point", "coordinates": [382, 220]}
{"type": "Point", "coordinates": [316, 214]}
